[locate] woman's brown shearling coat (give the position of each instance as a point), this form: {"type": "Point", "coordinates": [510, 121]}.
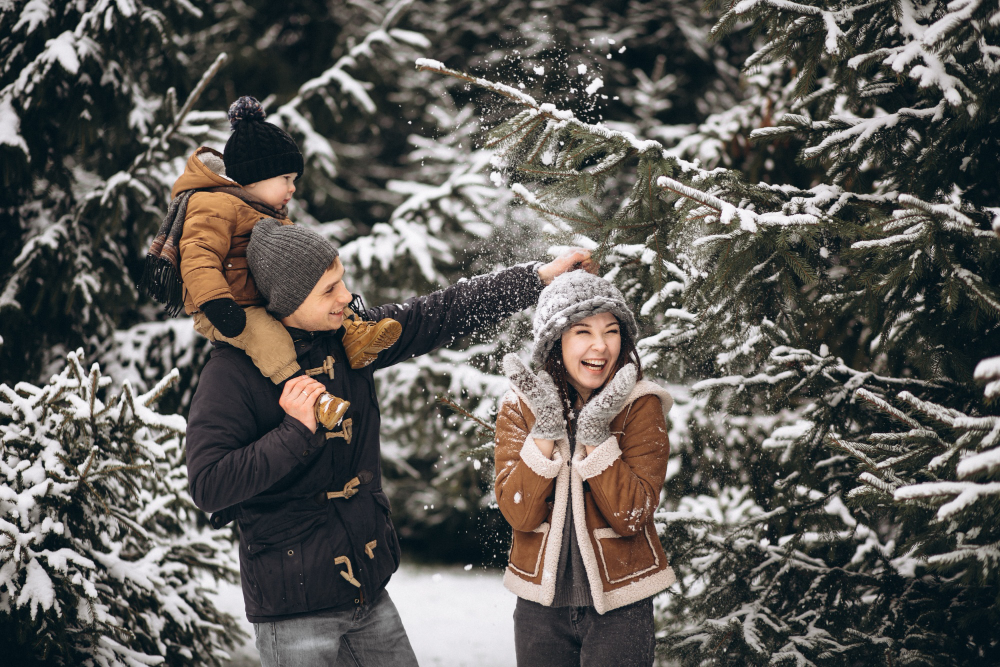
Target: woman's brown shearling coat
{"type": "Point", "coordinates": [622, 554]}
{"type": "Point", "coordinates": [213, 246]}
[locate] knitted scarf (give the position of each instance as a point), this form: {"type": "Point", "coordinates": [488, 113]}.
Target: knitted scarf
{"type": "Point", "coordinates": [161, 279]}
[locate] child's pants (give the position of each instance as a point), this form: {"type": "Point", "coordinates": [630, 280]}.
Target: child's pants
{"type": "Point", "coordinates": [265, 339]}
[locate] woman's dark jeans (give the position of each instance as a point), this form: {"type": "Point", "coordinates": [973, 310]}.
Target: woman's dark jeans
{"type": "Point", "coordinates": [580, 637]}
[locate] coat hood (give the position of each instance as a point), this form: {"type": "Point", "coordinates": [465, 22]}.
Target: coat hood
{"type": "Point", "coordinates": [204, 169]}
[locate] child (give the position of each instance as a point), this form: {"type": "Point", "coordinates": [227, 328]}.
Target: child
{"type": "Point", "coordinates": [220, 198]}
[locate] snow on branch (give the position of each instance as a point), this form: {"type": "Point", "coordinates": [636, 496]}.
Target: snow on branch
{"type": "Point", "coordinates": [966, 494]}
{"type": "Point", "coordinates": [292, 113]}
{"type": "Point", "coordinates": [988, 371]}
{"type": "Point", "coordinates": [548, 111]}
{"type": "Point", "coordinates": [881, 405]}
{"type": "Point", "coordinates": [749, 221]}
{"type": "Point", "coordinates": [926, 52]}
{"type": "Point", "coordinates": [465, 195]}
{"type": "Point", "coordinates": [741, 381]}
{"type": "Point", "coordinates": [131, 546]}
{"type": "Point", "coordinates": [10, 126]}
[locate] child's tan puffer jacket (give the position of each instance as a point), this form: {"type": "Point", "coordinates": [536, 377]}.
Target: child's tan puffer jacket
{"type": "Point", "coordinates": [213, 247]}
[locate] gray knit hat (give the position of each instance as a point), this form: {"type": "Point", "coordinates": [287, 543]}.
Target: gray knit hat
{"type": "Point", "coordinates": [571, 297]}
{"type": "Point", "coordinates": [286, 262]}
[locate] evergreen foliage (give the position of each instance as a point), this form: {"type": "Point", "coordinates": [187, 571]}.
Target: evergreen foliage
{"type": "Point", "coordinates": [838, 480]}
{"type": "Point", "coordinates": [893, 95]}
{"type": "Point", "coordinates": [89, 107]}
{"type": "Point", "coordinates": [95, 135]}
{"type": "Point", "coordinates": [808, 244]}
{"type": "Point", "coordinates": [102, 561]}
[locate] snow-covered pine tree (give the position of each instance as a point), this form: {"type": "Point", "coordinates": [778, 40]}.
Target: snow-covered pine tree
{"type": "Point", "coordinates": [90, 105]}
{"type": "Point", "coordinates": [902, 286]}
{"type": "Point", "coordinates": [779, 286]}
{"type": "Point", "coordinates": [101, 560]}
{"type": "Point", "coordinates": [455, 221]}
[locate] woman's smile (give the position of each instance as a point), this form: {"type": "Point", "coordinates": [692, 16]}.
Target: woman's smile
{"type": "Point", "coordinates": [590, 349]}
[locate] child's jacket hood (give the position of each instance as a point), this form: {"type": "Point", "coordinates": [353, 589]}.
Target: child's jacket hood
{"type": "Point", "coordinates": [217, 227]}
{"type": "Point", "coordinates": [204, 169]}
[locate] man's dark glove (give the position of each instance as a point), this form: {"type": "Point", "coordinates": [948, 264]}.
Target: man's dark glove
{"type": "Point", "coordinates": [226, 316]}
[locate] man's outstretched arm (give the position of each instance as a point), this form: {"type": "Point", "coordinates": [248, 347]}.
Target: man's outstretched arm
{"type": "Point", "coordinates": [435, 320]}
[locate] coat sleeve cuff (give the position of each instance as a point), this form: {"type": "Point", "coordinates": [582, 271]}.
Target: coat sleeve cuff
{"type": "Point", "coordinates": [534, 459]}
{"type": "Point", "coordinates": [534, 266]}
{"type": "Point", "coordinates": [600, 459]}
{"type": "Point", "coordinates": [303, 448]}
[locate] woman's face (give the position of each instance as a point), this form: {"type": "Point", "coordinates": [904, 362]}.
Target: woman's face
{"type": "Point", "coordinates": [590, 350]}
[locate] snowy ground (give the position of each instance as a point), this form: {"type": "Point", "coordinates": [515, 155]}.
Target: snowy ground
{"type": "Point", "coordinates": [454, 617]}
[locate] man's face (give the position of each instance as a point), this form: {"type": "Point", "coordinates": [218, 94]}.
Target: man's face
{"type": "Point", "coordinates": [323, 309]}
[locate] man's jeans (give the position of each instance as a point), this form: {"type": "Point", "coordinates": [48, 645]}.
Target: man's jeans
{"type": "Point", "coordinates": [370, 636]}
{"type": "Point", "coordinates": [579, 636]}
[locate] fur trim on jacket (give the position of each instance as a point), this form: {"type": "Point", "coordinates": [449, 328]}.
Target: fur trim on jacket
{"type": "Point", "coordinates": [612, 514]}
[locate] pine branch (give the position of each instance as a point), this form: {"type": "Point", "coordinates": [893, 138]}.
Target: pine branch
{"type": "Point", "coordinates": [161, 140]}
{"type": "Point", "coordinates": [487, 430]}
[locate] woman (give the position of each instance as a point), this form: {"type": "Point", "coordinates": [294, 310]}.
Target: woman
{"type": "Point", "coordinates": [581, 455]}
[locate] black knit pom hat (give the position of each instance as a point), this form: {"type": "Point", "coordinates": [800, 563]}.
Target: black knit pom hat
{"type": "Point", "coordinates": [258, 150]}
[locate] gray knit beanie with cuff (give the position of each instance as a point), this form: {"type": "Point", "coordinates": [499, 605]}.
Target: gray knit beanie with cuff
{"type": "Point", "coordinates": [571, 297]}
{"type": "Point", "coordinates": [286, 262]}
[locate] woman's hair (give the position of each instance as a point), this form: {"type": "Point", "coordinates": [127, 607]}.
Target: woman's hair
{"type": "Point", "coordinates": [560, 376]}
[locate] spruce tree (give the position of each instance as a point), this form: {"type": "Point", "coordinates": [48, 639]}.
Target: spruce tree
{"type": "Point", "coordinates": [101, 558]}
{"type": "Point", "coordinates": [91, 95]}
{"type": "Point", "coordinates": [454, 202]}
{"type": "Point", "coordinates": [833, 325]}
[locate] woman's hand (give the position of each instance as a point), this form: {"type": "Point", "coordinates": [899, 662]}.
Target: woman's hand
{"type": "Point", "coordinates": [568, 261]}
{"type": "Point", "coordinates": [593, 426]}
{"type": "Point", "coordinates": [298, 400]}
{"type": "Point", "coordinates": [543, 396]}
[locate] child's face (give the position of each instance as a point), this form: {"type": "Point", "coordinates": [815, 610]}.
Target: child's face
{"type": "Point", "coordinates": [276, 191]}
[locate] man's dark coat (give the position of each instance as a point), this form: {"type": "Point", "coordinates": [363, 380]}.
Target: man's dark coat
{"type": "Point", "coordinates": [298, 549]}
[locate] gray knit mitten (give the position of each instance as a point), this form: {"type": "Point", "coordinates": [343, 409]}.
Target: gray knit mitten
{"type": "Point", "coordinates": [541, 392]}
{"type": "Point", "coordinates": [593, 426]}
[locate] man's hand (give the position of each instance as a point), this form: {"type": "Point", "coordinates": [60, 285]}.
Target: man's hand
{"type": "Point", "coordinates": [298, 400]}
{"type": "Point", "coordinates": [568, 261]}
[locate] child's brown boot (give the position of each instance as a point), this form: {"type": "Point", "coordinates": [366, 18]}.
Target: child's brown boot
{"type": "Point", "coordinates": [330, 410]}
{"type": "Point", "coordinates": [364, 340]}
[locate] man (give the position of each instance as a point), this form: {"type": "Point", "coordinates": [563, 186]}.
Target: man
{"type": "Point", "coordinates": [317, 546]}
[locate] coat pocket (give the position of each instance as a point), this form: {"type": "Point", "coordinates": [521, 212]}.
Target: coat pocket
{"type": "Point", "coordinates": [526, 550]}
{"type": "Point", "coordinates": [264, 531]}
{"type": "Point", "coordinates": [280, 576]}
{"type": "Point", "coordinates": [625, 558]}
